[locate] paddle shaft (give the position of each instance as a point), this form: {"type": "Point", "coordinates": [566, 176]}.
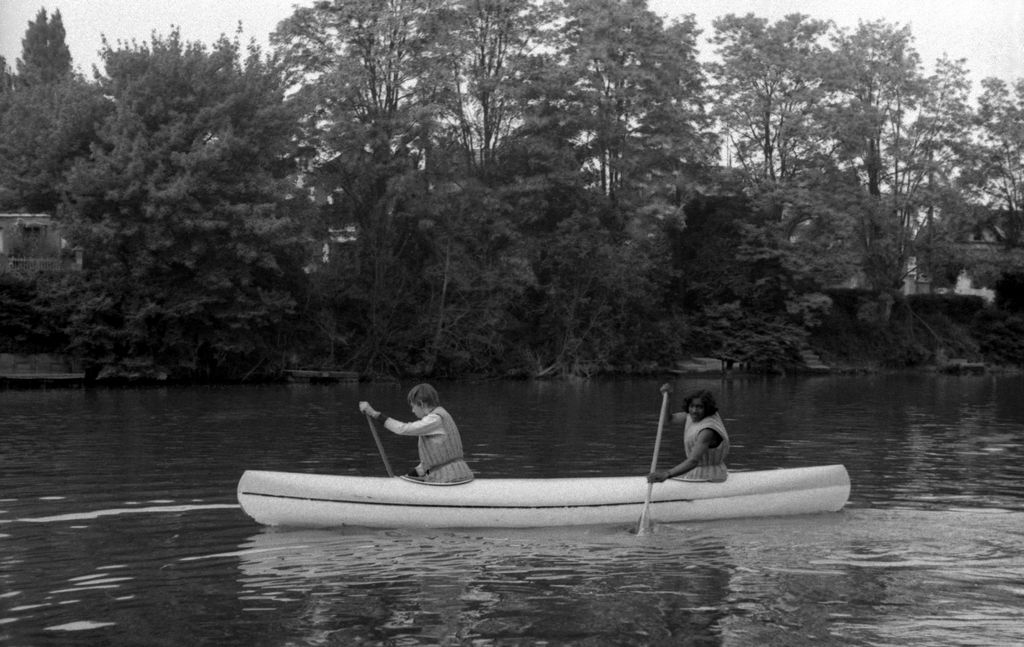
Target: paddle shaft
{"type": "Point", "coordinates": [644, 523]}
{"type": "Point", "coordinates": [380, 446]}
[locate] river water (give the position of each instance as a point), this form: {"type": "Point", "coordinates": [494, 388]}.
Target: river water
{"type": "Point", "coordinates": [119, 525]}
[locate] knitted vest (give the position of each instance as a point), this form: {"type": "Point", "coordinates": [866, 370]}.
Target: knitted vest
{"type": "Point", "coordinates": [712, 463]}
{"type": "Point", "coordinates": [441, 454]}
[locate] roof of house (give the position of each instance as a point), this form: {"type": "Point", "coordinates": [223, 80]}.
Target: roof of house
{"type": "Point", "coordinates": [34, 218]}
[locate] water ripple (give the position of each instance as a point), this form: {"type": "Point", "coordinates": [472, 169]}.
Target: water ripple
{"type": "Point", "coordinates": [161, 509]}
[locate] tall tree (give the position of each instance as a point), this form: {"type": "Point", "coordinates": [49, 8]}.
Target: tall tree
{"type": "Point", "coordinates": [992, 183]}
{"type": "Point", "coordinates": [613, 125]}
{"type": "Point", "coordinates": [633, 93]}
{"type": "Point", "coordinates": [357, 68]}
{"type": "Point", "coordinates": [768, 90]}
{"type": "Point", "coordinates": [486, 59]}
{"type": "Point", "coordinates": [47, 118]}
{"type": "Point", "coordinates": [477, 262]}
{"type": "Point", "coordinates": [403, 159]}
{"type": "Point", "coordinates": [45, 56]}
{"type": "Point", "coordinates": [995, 169]}
{"type": "Point", "coordinates": [365, 125]}
{"type": "Point", "coordinates": [940, 138]}
{"type": "Point", "coordinates": [879, 88]}
{"type": "Point", "coordinates": [188, 212]}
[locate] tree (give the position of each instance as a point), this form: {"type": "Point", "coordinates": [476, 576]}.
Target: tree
{"type": "Point", "coordinates": [44, 129]}
{"type": "Point", "coordinates": [188, 212]}
{"type": "Point", "coordinates": [941, 140]}
{"type": "Point", "coordinates": [594, 298]}
{"type": "Point", "coordinates": [485, 59]}
{"type": "Point", "coordinates": [995, 169]}
{"type": "Point", "coordinates": [475, 268]}
{"type": "Point", "coordinates": [748, 293]}
{"type": "Point", "coordinates": [45, 56]}
{"type": "Point", "coordinates": [877, 87]}
{"type": "Point", "coordinates": [6, 77]}
{"type": "Point", "coordinates": [612, 125]}
{"type": "Point", "coordinates": [47, 118]}
{"type": "Point", "coordinates": [632, 95]}
{"type": "Point", "coordinates": [992, 186]}
{"type": "Point", "coordinates": [770, 90]}
{"type": "Point", "coordinates": [769, 86]}
{"type": "Point", "coordinates": [24, 325]}
{"type": "Point", "coordinates": [366, 119]}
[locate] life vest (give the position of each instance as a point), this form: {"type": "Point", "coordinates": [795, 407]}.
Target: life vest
{"type": "Point", "coordinates": [712, 464]}
{"type": "Point", "coordinates": [441, 454]}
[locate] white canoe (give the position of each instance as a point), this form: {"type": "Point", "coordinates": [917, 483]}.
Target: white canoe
{"type": "Point", "coordinates": [325, 501]}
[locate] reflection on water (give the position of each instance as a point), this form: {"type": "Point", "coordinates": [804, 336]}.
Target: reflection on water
{"type": "Point", "coordinates": [860, 577]}
{"type": "Point", "coordinates": [119, 525]}
{"type": "Point", "coordinates": [600, 583]}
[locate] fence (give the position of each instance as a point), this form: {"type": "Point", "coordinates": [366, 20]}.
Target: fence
{"type": "Point", "coordinates": [28, 266]}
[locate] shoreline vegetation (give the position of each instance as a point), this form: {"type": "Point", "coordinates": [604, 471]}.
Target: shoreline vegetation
{"type": "Point", "coordinates": [955, 366]}
{"type": "Point", "coordinates": [946, 334]}
{"type": "Point", "coordinates": [557, 190]}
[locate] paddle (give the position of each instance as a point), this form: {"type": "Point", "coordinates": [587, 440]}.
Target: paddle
{"type": "Point", "coordinates": [380, 447]}
{"type": "Point", "coordinates": [643, 526]}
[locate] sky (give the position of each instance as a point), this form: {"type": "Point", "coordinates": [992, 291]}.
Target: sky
{"type": "Point", "coordinates": [988, 33]}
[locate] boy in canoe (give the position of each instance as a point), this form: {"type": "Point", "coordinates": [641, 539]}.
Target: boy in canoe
{"type": "Point", "coordinates": [440, 446]}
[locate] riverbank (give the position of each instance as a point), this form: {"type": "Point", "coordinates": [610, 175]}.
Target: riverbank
{"type": "Point", "coordinates": [700, 367]}
{"type": "Point", "coordinates": [926, 333]}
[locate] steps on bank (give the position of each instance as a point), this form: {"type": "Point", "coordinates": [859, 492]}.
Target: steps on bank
{"type": "Point", "coordinates": [811, 362]}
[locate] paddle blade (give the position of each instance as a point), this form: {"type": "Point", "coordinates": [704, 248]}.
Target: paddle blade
{"type": "Point", "coordinates": [645, 525]}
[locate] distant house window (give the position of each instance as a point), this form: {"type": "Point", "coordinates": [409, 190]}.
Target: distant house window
{"type": "Point", "coordinates": [31, 241]}
{"type": "Point", "coordinates": [33, 233]}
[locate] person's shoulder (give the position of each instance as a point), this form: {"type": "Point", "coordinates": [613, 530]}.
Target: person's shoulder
{"type": "Point", "coordinates": [436, 417]}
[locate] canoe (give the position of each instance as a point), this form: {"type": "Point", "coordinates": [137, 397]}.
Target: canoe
{"type": "Point", "coordinates": [327, 501]}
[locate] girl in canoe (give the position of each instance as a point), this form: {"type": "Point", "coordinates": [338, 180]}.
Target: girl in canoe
{"type": "Point", "coordinates": [705, 442]}
{"type": "Point", "coordinates": [440, 446]}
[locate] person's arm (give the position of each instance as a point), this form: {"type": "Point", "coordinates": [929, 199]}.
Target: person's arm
{"type": "Point", "coordinates": [428, 425]}
{"type": "Point", "coordinates": [705, 439]}
{"type": "Point", "coordinates": [677, 418]}
{"type": "Point", "coordinates": [367, 409]}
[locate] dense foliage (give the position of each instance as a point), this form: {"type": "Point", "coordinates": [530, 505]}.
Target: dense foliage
{"type": "Point", "coordinates": [444, 187]}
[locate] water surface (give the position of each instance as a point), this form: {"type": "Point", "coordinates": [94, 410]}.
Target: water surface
{"type": "Point", "coordinates": [119, 526]}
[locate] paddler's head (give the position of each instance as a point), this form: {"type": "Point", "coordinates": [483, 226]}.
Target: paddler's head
{"type": "Point", "coordinates": [700, 405]}
{"type": "Point", "coordinates": [423, 399]}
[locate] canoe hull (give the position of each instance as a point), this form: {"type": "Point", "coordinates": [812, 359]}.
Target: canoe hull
{"type": "Point", "coordinates": [326, 501]}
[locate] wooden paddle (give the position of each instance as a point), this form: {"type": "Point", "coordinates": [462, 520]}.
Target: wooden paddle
{"type": "Point", "coordinates": [643, 526]}
{"type": "Point", "coordinates": [380, 447]}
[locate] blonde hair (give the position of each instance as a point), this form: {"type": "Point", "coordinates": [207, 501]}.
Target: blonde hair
{"type": "Point", "coordinates": [424, 395]}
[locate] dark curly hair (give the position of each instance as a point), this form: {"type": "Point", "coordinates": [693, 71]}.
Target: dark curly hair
{"type": "Point", "coordinates": [706, 398]}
